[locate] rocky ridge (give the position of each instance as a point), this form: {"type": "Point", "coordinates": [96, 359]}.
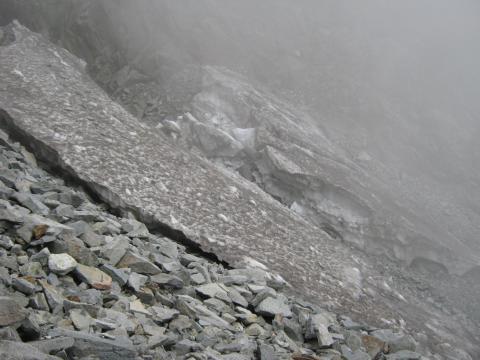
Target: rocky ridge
{"type": "Point", "coordinates": [77, 282]}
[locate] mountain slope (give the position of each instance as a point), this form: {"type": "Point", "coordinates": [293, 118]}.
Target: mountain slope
{"type": "Point", "coordinates": [51, 104]}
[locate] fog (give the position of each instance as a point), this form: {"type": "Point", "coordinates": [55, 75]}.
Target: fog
{"type": "Point", "coordinates": [398, 79]}
{"type": "Point", "coordinates": [390, 164]}
{"type": "Point", "coordinates": [395, 80]}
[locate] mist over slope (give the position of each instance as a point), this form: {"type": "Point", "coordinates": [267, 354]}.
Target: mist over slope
{"type": "Point", "coordinates": [361, 118]}
{"type": "Point", "coordinates": [392, 84]}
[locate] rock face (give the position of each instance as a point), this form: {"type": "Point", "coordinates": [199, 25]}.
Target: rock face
{"type": "Point", "coordinates": [50, 104]}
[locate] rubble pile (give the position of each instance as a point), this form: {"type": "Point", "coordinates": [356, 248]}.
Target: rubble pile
{"type": "Point", "coordinates": [77, 282]}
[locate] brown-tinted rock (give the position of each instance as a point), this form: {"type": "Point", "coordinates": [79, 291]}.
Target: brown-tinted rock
{"type": "Point", "coordinates": [373, 345]}
{"type": "Point", "coordinates": [93, 277]}
{"type": "Point", "coordinates": [39, 231]}
{"type": "Point", "coordinates": [10, 311]}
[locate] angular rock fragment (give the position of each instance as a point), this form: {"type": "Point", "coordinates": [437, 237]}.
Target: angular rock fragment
{"type": "Point", "coordinates": [395, 341]}
{"type": "Point", "coordinates": [167, 280]}
{"type": "Point", "coordinates": [10, 350]}
{"type": "Point", "coordinates": [138, 264]}
{"type": "Point", "coordinates": [197, 279]}
{"type": "Point", "coordinates": [118, 275]}
{"type": "Point", "coordinates": [11, 215]}
{"type": "Point", "coordinates": [81, 319]}
{"type": "Point", "coordinates": [273, 306]}
{"type": "Point", "coordinates": [10, 334]}
{"type": "Point", "coordinates": [318, 326]}
{"type": "Point", "coordinates": [115, 249]}
{"type": "Point", "coordinates": [404, 355]}
{"type": "Point", "coordinates": [6, 242]}
{"type": "Point", "coordinates": [91, 239]}
{"type": "Point", "coordinates": [374, 345]}
{"type": "Point", "coordinates": [135, 228]}
{"type": "Point", "coordinates": [10, 311]}
{"type": "Point", "coordinates": [29, 329]}
{"type": "Point", "coordinates": [53, 297]}
{"type": "Point", "coordinates": [187, 346]}
{"type": "Point", "coordinates": [32, 203]}
{"type": "Point", "coordinates": [24, 286]}
{"type": "Point", "coordinates": [61, 264]}
{"type": "Point", "coordinates": [211, 290]}
{"type": "Point", "coordinates": [48, 346]}
{"type": "Point", "coordinates": [254, 330]}
{"type": "Point", "coordinates": [93, 277]}
{"type": "Point", "coordinates": [91, 309]}
{"type": "Point", "coordinates": [92, 345]}
{"type": "Point", "coordinates": [75, 248]}
{"type": "Point", "coordinates": [137, 281]}
{"type": "Point", "coordinates": [163, 314]}
{"type": "Point", "coordinates": [136, 306]}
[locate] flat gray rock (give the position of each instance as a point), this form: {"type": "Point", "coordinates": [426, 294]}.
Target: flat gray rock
{"type": "Point", "coordinates": [10, 350]}
{"type": "Point", "coordinates": [92, 345]}
{"type": "Point", "coordinates": [48, 346]}
{"type": "Point", "coordinates": [163, 314]}
{"type": "Point", "coordinates": [404, 355]}
{"type": "Point", "coordinates": [138, 264]}
{"type": "Point", "coordinates": [24, 286]}
{"type": "Point", "coordinates": [118, 275]}
{"type": "Point", "coordinates": [10, 311]}
{"type": "Point", "coordinates": [93, 277]}
{"type": "Point", "coordinates": [273, 306]}
{"type": "Point", "coordinates": [210, 290]}
{"type": "Point", "coordinates": [167, 280]}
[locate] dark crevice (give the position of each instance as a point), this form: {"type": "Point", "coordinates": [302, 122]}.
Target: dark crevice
{"type": "Point", "coordinates": [49, 159]}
